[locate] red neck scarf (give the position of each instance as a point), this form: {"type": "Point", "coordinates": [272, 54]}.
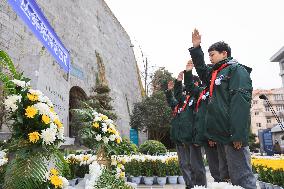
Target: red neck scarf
{"type": "Point", "coordinates": [183, 106]}
{"type": "Point", "coordinates": [199, 99]}
{"type": "Point", "coordinates": [214, 76]}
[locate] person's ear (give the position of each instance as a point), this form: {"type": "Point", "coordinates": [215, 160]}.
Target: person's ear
{"type": "Point", "coordinates": [225, 54]}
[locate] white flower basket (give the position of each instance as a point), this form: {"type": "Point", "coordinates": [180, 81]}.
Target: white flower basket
{"type": "Point", "coordinates": [181, 180]}
{"type": "Point", "coordinates": [149, 180]}
{"type": "Point", "coordinates": [136, 180]}
{"type": "Point", "coordinates": [172, 179]}
{"type": "Point", "coordinates": [162, 180]}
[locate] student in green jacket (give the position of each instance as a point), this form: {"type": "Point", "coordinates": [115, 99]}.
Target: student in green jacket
{"type": "Point", "coordinates": [181, 126]}
{"type": "Point", "coordinates": [227, 118]}
{"type": "Point", "coordinates": [201, 95]}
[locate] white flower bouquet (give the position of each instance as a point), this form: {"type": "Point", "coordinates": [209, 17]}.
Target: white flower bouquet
{"type": "Point", "coordinates": [34, 121]}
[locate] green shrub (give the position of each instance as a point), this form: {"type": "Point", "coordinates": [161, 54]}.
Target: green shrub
{"type": "Point", "coordinates": [126, 147]}
{"type": "Point", "coordinates": [152, 147]}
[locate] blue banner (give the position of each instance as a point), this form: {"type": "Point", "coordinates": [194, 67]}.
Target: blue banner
{"type": "Point", "coordinates": [31, 14]}
{"type": "Point", "coordinates": [134, 136]}
{"type": "Point", "coordinates": [267, 141]}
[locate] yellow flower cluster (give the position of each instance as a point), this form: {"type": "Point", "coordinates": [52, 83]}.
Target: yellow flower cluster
{"type": "Point", "coordinates": [31, 112]}
{"type": "Point", "coordinates": [58, 123]}
{"type": "Point", "coordinates": [34, 137]}
{"type": "Point", "coordinates": [45, 119]}
{"type": "Point", "coordinates": [32, 97]}
{"type": "Point", "coordinates": [55, 179]}
{"type": "Point", "coordinates": [274, 164]}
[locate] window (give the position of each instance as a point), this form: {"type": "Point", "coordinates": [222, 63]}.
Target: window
{"type": "Point", "coordinates": [256, 113]}
{"type": "Point", "coordinates": [255, 102]}
{"type": "Point", "coordinates": [279, 108]}
{"type": "Point", "coordinates": [258, 124]}
{"type": "Point", "coordinates": [268, 120]}
{"type": "Point", "coordinates": [278, 97]}
{"type": "Point", "coordinates": [267, 109]}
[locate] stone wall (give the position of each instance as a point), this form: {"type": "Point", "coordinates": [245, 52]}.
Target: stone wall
{"type": "Point", "coordinates": [86, 28]}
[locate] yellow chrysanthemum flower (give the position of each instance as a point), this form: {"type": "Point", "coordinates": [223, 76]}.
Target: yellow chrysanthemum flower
{"type": "Point", "coordinates": [31, 112]}
{"type": "Point", "coordinates": [104, 117]}
{"type": "Point", "coordinates": [122, 174]}
{"type": "Point", "coordinates": [54, 171]}
{"type": "Point", "coordinates": [52, 110]}
{"type": "Point", "coordinates": [56, 181]}
{"type": "Point", "coordinates": [45, 119]}
{"type": "Point", "coordinates": [118, 141]}
{"type": "Point", "coordinates": [32, 97]}
{"type": "Point", "coordinates": [85, 158]}
{"type": "Point", "coordinates": [34, 137]}
{"type": "Point", "coordinates": [96, 125]}
{"type": "Point", "coordinates": [58, 123]}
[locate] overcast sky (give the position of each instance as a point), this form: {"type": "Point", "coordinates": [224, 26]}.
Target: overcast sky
{"type": "Point", "coordinates": [162, 28]}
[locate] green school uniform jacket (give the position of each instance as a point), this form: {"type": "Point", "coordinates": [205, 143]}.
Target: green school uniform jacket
{"type": "Point", "coordinates": [181, 130]}
{"type": "Point", "coordinates": [228, 110]}
{"type": "Point", "coordinates": [199, 114]}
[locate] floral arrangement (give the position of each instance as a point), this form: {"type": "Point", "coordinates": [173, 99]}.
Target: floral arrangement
{"type": "Point", "coordinates": [270, 169]}
{"type": "Point", "coordinates": [36, 131]}
{"type": "Point", "coordinates": [101, 177]}
{"type": "Point", "coordinates": [172, 166]}
{"type": "Point", "coordinates": [147, 165]}
{"type": "Point", "coordinates": [103, 130]}
{"type": "Point", "coordinates": [35, 123]}
{"type": "Point", "coordinates": [79, 164]}
{"type": "Point", "coordinates": [54, 180]}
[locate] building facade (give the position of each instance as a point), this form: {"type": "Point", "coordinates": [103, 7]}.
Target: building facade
{"type": "Point", "coordinates": [279, 57]}
{"type": "Point", "coordinates": [99, 47]}
{"type": "Point", "coordinates": [261, 114]}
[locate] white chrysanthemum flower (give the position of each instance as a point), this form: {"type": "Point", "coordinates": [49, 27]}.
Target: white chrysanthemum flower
{"type": "Point", "coordinates": [10, 102]}
{"type": "Point", "coordinates": [113, 162]}
{"type": "Point", "coordinates": [112, 137]}
{"type": "Point", "coordinates": [112, 126]}
{"type": "Point", "coordinates": [48, 135]}
{"type": "Point", "coordinates": [91, 159]}
{"type": "Point", "coordinates": [104, 129]}
{"type": "Point", "coordinates": [36, 92]}
{"type": "Point", "coordinates": [2, 154]}
{"type": "Point", "coordinates": [95, 113]}
{"type": "Point", "coordinates": [97, 119]}
{"type": "Point", "coordinates": [108, 121]}
{"type": "Point", "coordinates": [20, 83]}
{"type": "Point", "coordinates": [65, 182]}
{"type": "Point", "coordinates": [43, 108]}
{"type": "Point", "coordinates": [98, 137]}
{"type": "Point", "coordinates": [104, 125]}
{"type": "Point", "coordinates": [106, 140]}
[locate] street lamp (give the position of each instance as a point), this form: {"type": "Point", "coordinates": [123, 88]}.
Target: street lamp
{"type": "Point", "coordinates": [263, 97]}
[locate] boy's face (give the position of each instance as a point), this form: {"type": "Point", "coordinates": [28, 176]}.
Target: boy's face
{"type": "Point", "coordinates": [216, 56]}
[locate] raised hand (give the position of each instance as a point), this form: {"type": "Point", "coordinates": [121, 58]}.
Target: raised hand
{"type": "Point", "coordinates": [189, 65]}
{"type": "Point", "coordinates": [170, 85]}
{"type": "Point", "coordinates": [196, 38]}
{"type": "Point", "coordinates": [237, 145]}
{"type": "Point", "coordinates": [180, 76]}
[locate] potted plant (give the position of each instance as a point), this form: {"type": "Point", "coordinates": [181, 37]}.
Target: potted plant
{"type": "Point", "coordinates": [180, 177]}
{"type": "Point", "coordinates": [161, 171]}
{"type": "Point", "coordinates": [133, 169]}
{"type": "Point", "coordinates": [148, 172]}
{"type": "Point", "coordinates": [172, 169]}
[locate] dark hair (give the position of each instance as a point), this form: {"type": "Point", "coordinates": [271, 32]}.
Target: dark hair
{"type": "Point", "coordinates": [220, 47]}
